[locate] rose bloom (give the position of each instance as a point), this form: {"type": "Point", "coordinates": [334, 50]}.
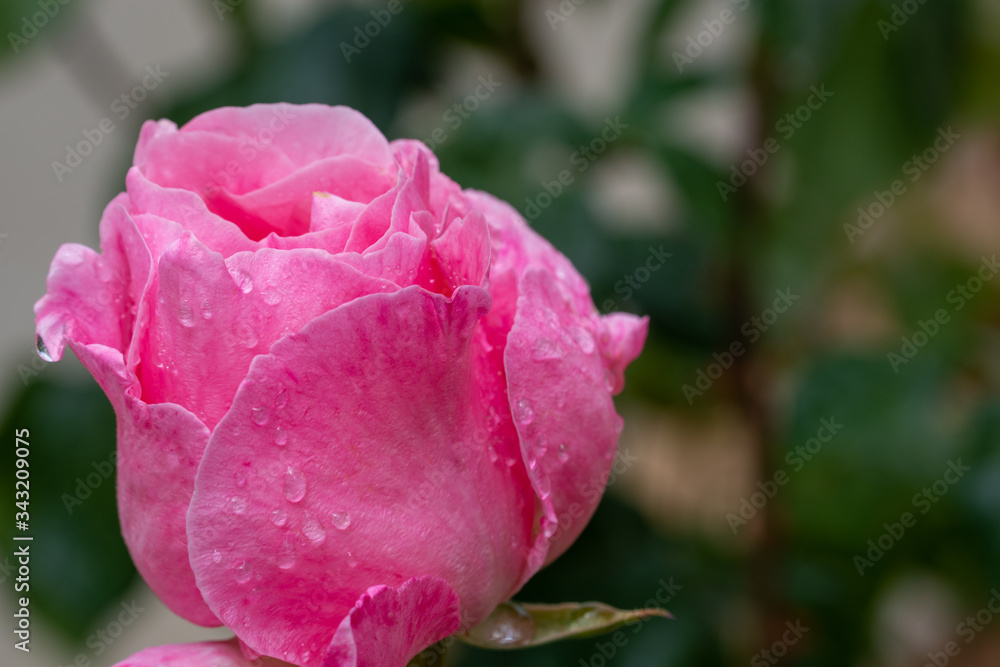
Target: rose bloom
{"type": "Point", "coordinates": [358, 406]}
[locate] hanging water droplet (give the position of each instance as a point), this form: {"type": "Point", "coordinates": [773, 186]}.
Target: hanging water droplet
{"type": "Point", "coordinates": [259, 416]}
{"type": "Point", "coordinates": [341, 520]}
{"type": "Point", "coordinates": [295, 485]}
{"type": "Point", "coordinates": [545, 349]}
{"type": "Point", "coordinates": [582, 338]}
{"type": "Point", "coordinates": [509, 625]}
{"type": "Point", "coordinates": [279, 518]}
{"type": "Point", "coordinates": [243, 571]}
{"type": "Point", "coordinates": [280, 437]}
{"type": "Point", "coordinates": [216, 556]}
{"type": "Point", "coordinates": [42, 351]}
{"type": "Point", "coordinates": [185, 313]}
{"type": "Point", "coordinates": [609, 380]}
{"type": "Point", "coordinates": [523, 412]}
{"type": "Point", "coordinates": [238, 504]}
{"type": "Point", "coordinates": [563, 455]}
{"type": "Point", "coordinates": [286, 553]}
{"type": "Point", "coordinates": [206, 310]}
{"type": "Point", "coordinates": [313, 531]}
{"type": "Point", "coordinates": [243, 280]}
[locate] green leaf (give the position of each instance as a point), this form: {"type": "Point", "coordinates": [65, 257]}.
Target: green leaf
{"type": "Point", "coordinates": [515, 625]}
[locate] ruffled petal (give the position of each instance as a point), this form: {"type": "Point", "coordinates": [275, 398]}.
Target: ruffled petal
{"type": "Point", "coordinates": [389, 626]}
{"type": "Point", "coordinates": [203, 654]}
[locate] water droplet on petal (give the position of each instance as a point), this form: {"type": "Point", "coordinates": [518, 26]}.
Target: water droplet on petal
{"type": "Point", "coordinates": [548, 527]}
{"type": "Point", "coordinates": [241, 480]}
{"type": "Point", "coordinates": [286, 553]}
{"type": "Point", "coordinates": [216, 556]}
{"type": "Point", "coordinates": [206, 310]}
{"type": "Point", "coordinates": [185, 313]}
{"type": "Point", "coordinates": [544, 349]}
{"type": "Point", "coordinates": [295, 485]}
{"type": "Point", "coordinates": [279, 518]}
{"type": "Point", "coordinates": [272, 297]}
{"type": "Point", "coordinates": [42, 351]}
{"type": "Point", "coordinates": [282, 399]}
{"type": "Point", "coordinates": [492, 451]}
{"type": "Point", "coordinates": [582, 338]}
{"type": "Point", "coordinates": [523, 412]}
{"type": "Point", "coordinates": [255, 594]}
{"type": "Point", "coordinates": [259, 416]}
{"type": "Point", "coordinates": [341, 520]}
{"type": "Point", "coordinates": [244, 571]}
{"type": "Point", "coordinates": [509, 461]}
{"type": "Point", "coordinates": [351, 560]}
{"type": "Point", "coordinates": [238, 504]}
{"type": "Point", "coordinates": [314, 531]}
{"type": "Point", "coordinates": [609, 380]}
{"type": "Point", "coordinates": [243, 280]}
{"type": "Point", "coordinates": [544, 485]}
{"type": "Point", "coordinates": [280, 437]}
{"type": "Point", "coordinates": [563, 453]}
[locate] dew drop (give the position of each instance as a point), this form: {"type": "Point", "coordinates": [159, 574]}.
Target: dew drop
{"type": "Point", "coordinates": [351, 560]}
{"type": "Point", "coordinates": [238, 504]}
{"type": "Point", "coordinates": [492, 451]}
{"type": "Point", "coordinates": [241, 480]}
{"type": "Point", "coordinates": [286, 553]}
{"type": "Point", "coordinates": [280, 437]}
{"type": "Point", "coordinates": [609, 380]}
{"type": "Point", "coordinates": [544, 485]}
{"type": "Point", "coordinates": [255, 594]}
{"type": "Point", "coordinates": [282, 400]}
{"type": "Point", "coordinates": [546, 349]}
{"type": "Point", "coordinates": [279, 518]}
{"type": "Point", "coordinates": [185, 313]}
{"type": "Point", "coordinates": [295, 485]}
{"type": "Point", "coordinates": [582, 338]}
{"type": "Point", "coordinates": [313, 531]}
{"type": "Point", "coordinates": [216, 556]}
{"type": "Point", "coordinates": [42, 351]}
{"type": "Point", "coordinates": [206, 310]}
{"type": "Point", "coordinates": [563, 453]}
{"type": "Point", "coordinates": [341, 520]}
{"type": "Point", "coordinates": [259, 416]}
{"type": "Point", "coordinates": [243, 281]}
{"type": "Point", "coordinates": [508, 626]}
{"type": "Point", "coordinates": [244, 571]}
{"type": "Point", "coordinates": [509, 461]}
{"type": "Point", "coordinates": [272, 297]}
{"type": "Point", "coordinates": [523, 412]}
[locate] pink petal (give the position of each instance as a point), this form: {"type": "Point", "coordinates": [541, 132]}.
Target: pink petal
{"type": "Point", "coordinates": [305, 133]}
{"type": "Point", "coordinates": [388, 627]}
{"type": "Point", "coordinates": [204, 654]}
{"type": "Point", "coordinates": [159, 448]}
{"type": "Point", "coordinates": [463, 251]}
{"type": "Point", "coordinates": [360, 448]}
{"type": "Point", "coordinates": [213, 316]}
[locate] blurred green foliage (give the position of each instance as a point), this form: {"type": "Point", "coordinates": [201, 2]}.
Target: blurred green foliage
{"type": "Point", "coordinates": [891, 94]}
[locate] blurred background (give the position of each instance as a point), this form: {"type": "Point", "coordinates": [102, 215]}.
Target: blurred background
{"type": "Point", "coordinates": [802, 195]}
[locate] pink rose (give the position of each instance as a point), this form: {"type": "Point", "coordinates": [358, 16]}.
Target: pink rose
{"type": "Point", "coordinates": [358, 406]}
